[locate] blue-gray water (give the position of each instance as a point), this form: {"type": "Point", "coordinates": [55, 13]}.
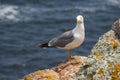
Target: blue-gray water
{"type": "Point", "coordinates": [25, 23]}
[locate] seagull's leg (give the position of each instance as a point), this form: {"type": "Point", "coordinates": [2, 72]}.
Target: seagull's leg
{"type": "Point", "coordinates": [69, 52]}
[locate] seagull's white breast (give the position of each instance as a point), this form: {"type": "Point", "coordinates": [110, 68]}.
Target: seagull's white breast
{"type": "Point", "coordinates": [78, 40]}
{"type": "Point", "coordinates": [78, 33]}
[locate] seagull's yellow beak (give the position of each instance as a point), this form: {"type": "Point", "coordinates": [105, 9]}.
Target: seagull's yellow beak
{"type": "Point", "coordinates": [79, 21]}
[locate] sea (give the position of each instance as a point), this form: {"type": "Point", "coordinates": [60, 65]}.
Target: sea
{"type": "Point", "coordinates": [24, 24]}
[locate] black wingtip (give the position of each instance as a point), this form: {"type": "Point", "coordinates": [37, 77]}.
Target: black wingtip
{"type": "Point", "coordinates": [43, 45]}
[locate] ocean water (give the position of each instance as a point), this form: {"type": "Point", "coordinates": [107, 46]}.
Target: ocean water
{"type": "Point", "coordinates": [24, 24]}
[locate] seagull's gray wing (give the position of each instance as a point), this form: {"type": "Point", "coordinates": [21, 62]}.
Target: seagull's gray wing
{"type": "Point", "coordinates": [62, 40]}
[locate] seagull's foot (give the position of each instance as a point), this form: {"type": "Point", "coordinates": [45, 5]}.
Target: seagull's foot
{"type": "Point", "coordinates": [70, 58]}
{"type": "Point", "coordinates": [69, 52]}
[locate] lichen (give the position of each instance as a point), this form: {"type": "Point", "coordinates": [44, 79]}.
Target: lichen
{"type": "Point", "coordinates": [107, 79]}
{"type": "Point", "coordinates": [100, 71]}
{"type": "Point", "coordinates": [115, 75]}
{"type": "Point", "coordinates": [97, 54]}
{"type": "Point", "coordinates": [117, 68]}
{"type": "Point", "coordinates": [49, 77]}
{"type": "Point", "coordinates": [110, 66]}
{"type": "Point", "coordinates": [116, 28]}
{"type": "Point", "coordinates": [114, 42]}
{"type": "Point", "coordinates": [90, 78]}
{"type": "Point", "coordinates": [105, 56]}
{"type": "Point", "coordinates": [29, 77]}
{"type": "Point", "coordinates": [38, 72]}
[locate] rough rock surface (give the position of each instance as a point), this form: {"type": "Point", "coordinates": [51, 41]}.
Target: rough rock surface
{"type": "Point", "coordinates": [104, 61]}
{"type": "Point", "coordinates": [102, 64]}
{"type": "Point", "coordinates": [116, 28]}
{"type": "Point", "coordinates": [65, 71]}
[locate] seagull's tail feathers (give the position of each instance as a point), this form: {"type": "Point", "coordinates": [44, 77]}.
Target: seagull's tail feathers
{"type": "Point", "coordinates": [43, 45]}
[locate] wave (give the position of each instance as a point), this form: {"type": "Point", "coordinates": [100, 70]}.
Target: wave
{"type": "Point", "coordinates": [17, 13]}
{"type": "Point", "coordinates": [8, 12]}
{"type": "Point", "coordinates": [114, 3]}
{"type": "Point", "coordinates": [91, 9]}
{"type": "Point", "coordinates": [29, 13]}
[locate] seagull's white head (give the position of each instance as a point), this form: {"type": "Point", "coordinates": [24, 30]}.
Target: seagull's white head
{"type": "Point", "coordinates": [79, 19]}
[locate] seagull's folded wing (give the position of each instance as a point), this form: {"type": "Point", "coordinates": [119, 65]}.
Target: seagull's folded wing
{"type": "Point", "coordinates": [62, 40]}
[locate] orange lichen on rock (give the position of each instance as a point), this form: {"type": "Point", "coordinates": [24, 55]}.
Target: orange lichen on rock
{"type": "Point", "coordinates": [115, 43]}
{"type": "Point", "coordinates": [43, 75]}
{"type": "Point", "coordinates": [29, 77]}
{"type": "Point", "coordinates": [38, 72]}
{"type": "Point", "coordinates": [65, 71]}
{"type": "Point", "coordinates": [90, 79]}
{"type": "Point", "coordinates": [107, 79]}
{"type": "Point", "coordinates": [68, 69]}
{"type": "Point", "coordinates": [97, 54]}
{"type": "Point", "coordinates": [100, 71]}
{"type": "Point", "coordinates": [110, 66]}
{"type": "Point", "coordinates": [116, 69]}
{"type": "Point", "coordinates": [115, 75]}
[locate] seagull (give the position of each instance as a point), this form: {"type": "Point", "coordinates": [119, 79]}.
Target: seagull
{"type": "Point", "coordinates": [70, 39]}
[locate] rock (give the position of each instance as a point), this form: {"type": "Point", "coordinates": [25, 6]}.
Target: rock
{"type": "Point", "coordinates": [104, 61]}
{"type": "Point", "coordinates": [46, 74]}
{"type": "Point", "coordinates": [65, 71]}
{"type": "Point", "coordinates": [102, 64]}
{"type": "Point", "coordinates": [116, 28]}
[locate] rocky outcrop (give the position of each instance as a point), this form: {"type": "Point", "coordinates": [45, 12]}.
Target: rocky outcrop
{"type": "Point", "coordinates": [116, 28]}
{"type": "Point", "coordinates": [102, 64]}
{"type": "Point", "coordinates": [65, 71]}
{"type": "Point", "coordinates": [104, 61]}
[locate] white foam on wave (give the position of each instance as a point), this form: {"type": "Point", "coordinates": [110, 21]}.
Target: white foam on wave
{"type": "Point", "coordinates": [16, 13]}
{"type": "Point", "coordinates": [25, 13]}
{"type": "Point", "coordinates": [8, 12]}
{"type": "Point", "coordinates": [91, 9]}
{"type": "Point", "coordinates": [114, 2]}
{"type": "Point", "coordinates": [32, 12]}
